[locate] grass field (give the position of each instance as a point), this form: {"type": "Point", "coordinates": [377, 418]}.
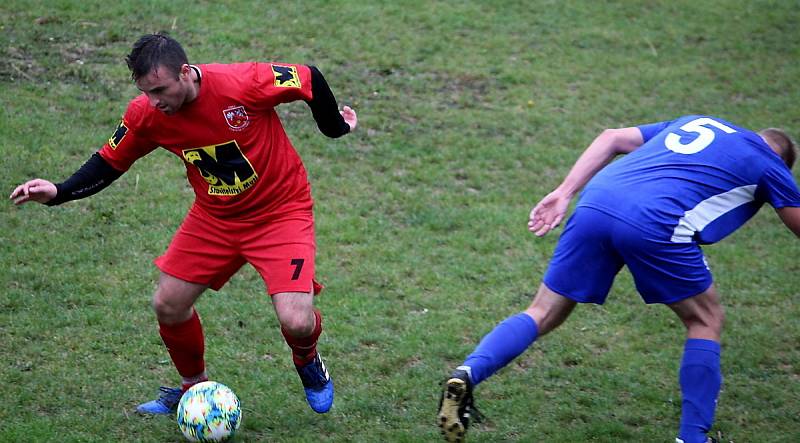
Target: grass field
{"type": "Point", "coordinates": [469, 112]}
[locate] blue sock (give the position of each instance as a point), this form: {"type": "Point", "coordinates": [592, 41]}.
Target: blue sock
{"type": "Point", "coordinates": [506, 341]}
{"type": "Point", "coordinates": [700, 379]}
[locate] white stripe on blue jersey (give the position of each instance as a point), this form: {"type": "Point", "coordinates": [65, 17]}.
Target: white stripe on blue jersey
{"type": "Point", "coordinates": [710, 209]}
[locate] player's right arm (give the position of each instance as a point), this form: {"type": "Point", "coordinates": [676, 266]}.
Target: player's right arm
{"type": "Point", "coordinates": [94, 176]}
{"type": "Point", "coordinates": [550, 211]}
{"type": "Point", "coordinates": [37, 190]}
{"type": "Point", "coordinates": [121, 150]}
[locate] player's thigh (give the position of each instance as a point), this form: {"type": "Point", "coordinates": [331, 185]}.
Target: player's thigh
{"type": "Point", "coordinates": [283, 252]}
{"type": "Point", "coordinates": [584, 262]}
{"type": "Point", "coordinates": [202, 251]}
{"type": "Point", "coordinates": [663, 271]}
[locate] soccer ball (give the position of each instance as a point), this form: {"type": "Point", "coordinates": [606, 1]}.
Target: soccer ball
{"type": "Point", "coordinates": [209, 412]}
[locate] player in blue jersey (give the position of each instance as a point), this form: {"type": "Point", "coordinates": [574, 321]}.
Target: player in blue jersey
{"type": "Point", "coordinates": [683, 183]}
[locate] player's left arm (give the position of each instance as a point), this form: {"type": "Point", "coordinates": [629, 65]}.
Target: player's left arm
{"type": "Point", "coordinates": [790, 216]}
{"type": "Point", "coordinates": [330, 121]}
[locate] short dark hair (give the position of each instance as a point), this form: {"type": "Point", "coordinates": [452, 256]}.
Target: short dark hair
{"type": "Point", "coordinates": [153, 50]}
{"type": "Point", "coordinates": [782, 140]}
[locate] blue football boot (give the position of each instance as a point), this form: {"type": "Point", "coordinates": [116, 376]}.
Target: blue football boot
{"type": "Point", "coordinates": [166, 403]}
{"type": "Point", "coordinates": [318, 385]}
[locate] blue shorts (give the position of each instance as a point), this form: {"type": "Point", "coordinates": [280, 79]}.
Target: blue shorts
{"type": "Point", "coordinates": [594, 246]}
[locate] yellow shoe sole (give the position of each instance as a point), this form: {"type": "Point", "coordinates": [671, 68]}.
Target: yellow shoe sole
{"type": "Point", "coordinates": [452, 428]}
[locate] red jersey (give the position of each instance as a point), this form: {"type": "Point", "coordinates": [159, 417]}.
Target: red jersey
{"type": "Point", "coordinates": [238, 158]}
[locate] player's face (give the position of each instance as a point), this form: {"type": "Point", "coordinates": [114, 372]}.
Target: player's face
{"type": "Point", "coordinates": [164, 90]}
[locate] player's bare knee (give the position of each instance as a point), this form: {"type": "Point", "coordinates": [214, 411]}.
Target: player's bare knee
{"type": "Point", "coordinates": [546, 318]}
{"type": "Point", "coordinates": [704, 323]}
{"type": "Point", "coordinates": [711, 316]}
{"type": "Point", "coordinates": [297, 329]}
{"type": "Point", "coordinates": [168, 309]}
{"type": "Point", "coordinates": [716, 318]}
{"type": "Point", "coordinates": [163, 310]}
{"type": "Point", "coordinates": [297, 324]}
{"type": "Point", "coordinates": [549, 309]}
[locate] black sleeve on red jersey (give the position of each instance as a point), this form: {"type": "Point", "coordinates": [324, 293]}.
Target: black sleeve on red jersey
{"type": "Point", "coordinates": [94, 176]}
{"type": "Point", "coordinates": [324, 108]}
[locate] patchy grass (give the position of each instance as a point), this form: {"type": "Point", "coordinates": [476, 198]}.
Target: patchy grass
{"type": "Point", "coordinates": [469, 113]}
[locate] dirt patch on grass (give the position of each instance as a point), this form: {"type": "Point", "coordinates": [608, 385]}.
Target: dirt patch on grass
{"type": "Point", "coordinates": [49, 48]}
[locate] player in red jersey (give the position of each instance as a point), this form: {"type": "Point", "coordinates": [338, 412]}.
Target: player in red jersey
{"type": "Point", "coordinates": [253, 202]}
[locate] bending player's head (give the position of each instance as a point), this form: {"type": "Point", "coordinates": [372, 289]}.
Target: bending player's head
{"type": "Point", "coordinates": [160, 69]}
{"type": "Point", "coordinates": [781, 143]}
{"type": "Point", "coordinates": [154, 50]}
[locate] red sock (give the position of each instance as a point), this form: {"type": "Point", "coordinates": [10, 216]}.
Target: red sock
{"type": "Point", "coordinates": [188, 382]}
{"type": "Point", "coordinates": [186, 346]}
{"type": "Point", "coordinates": [304, 349]}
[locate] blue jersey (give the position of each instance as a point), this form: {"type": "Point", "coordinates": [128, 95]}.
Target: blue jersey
{"type": "Point", "coordinates": [697, 178]}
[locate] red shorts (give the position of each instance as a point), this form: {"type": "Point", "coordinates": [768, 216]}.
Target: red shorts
{"type": "Point", "coordinates": [208, 251]}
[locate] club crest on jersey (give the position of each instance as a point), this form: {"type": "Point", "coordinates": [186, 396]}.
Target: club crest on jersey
{"type": "Point", "coordinates": [236, 117]}
{"type": "Point", "coordinates": [286, 76]}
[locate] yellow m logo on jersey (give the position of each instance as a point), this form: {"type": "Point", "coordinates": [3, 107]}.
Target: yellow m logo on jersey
{"type": "Point", "coordinates": [224, 167]}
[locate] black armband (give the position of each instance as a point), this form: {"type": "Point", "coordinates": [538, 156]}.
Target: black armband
{"type": "Point", "coordinates": [94, 176]}
{"type": "Point", "coordinates": [324, 108]}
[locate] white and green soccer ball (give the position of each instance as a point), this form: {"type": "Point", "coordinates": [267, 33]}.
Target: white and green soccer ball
{"type": "Point", "coordinates": [209, 412]}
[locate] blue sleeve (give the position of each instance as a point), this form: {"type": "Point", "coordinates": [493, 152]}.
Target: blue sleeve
{"type": "Point", "coordinates": [650, 130]}
{"type": "Point", "coordinates": [777, 187]}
